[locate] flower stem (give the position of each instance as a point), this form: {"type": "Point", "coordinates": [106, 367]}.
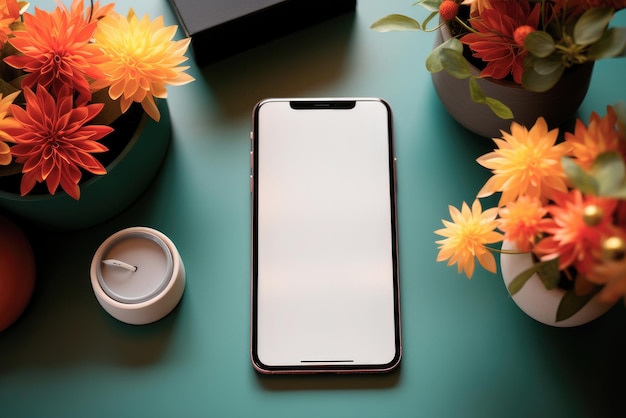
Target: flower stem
{"type": "Point", "coordinates": [465, 25]}
{"type": "Point", "coordinates": [501, 251]}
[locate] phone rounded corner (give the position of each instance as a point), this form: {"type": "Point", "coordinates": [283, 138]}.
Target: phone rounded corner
{"type": "Point", "coordinates": [395, 363]}
{"type": "Point", "coordinates": [258, 365]}
{"type": "Point", "coordinates": [382, 101]}
{"type": "Point", "coordinates": [262, 102]}
{"type": "Point", "coordinates": [257, 107]}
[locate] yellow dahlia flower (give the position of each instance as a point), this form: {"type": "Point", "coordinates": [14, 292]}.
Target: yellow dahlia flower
{"type": "Point", "coordinates": [525, 162]}
{"type": "Point", "coordinates": [466, 237]}
{"type": "Point", "coordinates": [142, 60]}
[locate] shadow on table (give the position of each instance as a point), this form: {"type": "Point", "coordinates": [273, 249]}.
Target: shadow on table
{"type": "Point", "coordinates": [330, 381]}
{"type": "Point", "coordinates": [589, 361]}
{"type": "Point", "coordinates": [286, 67]}
{"type": "Point", "coordinates": [65, 325]}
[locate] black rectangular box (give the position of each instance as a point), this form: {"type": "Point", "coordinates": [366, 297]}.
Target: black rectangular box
{"type": "Point", "coordinates": [219, 28]}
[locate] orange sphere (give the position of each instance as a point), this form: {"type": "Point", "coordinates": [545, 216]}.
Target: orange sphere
{"type": "Point", "coordinates": [17, 272]}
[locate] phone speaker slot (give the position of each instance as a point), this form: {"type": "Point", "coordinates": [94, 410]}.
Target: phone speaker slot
{"type": "Point", "coordinates": [322, 104]}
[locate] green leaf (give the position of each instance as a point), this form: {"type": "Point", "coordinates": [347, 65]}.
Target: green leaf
{"type": "Point", "coordinates": [534, 81]}
{"type": "Point", "coordinates": [500, 109]}
{"type": "Point", "coordinates": [395, 22]}
{"type": "Point", "coordinates": [520, 280]}
{"type": "Point", "coordinates": [546, 67]}
{"type": "Point", "coordinates": [539, 43]}
{"type": "Point", "coordinates": [592, 24]}
{"type": "Point", "coordinates": [476, 92]}
{"type": "Point", "coordinates": [429, 18]}
{"type": "Point", "coordinates": [579, 177]}
{"type": "Point", "coordinates": [549, 273]}
{"type": "Point", "coordinates": [6, 88]}
{"type": "Point", "coordinates": [432, 5]}
{"type": "Point", "coordinates": [619, 193]}
{"type": "Point", "coordinates": [612, 44]}
{"type": "Point", "coordinates": [455, 63]}
{"type": "Point", "coordinates": [434, 62]}
{"type": "Point", "coordinates": [608, 170]}
{"type": "Point", "coordinates": [478, 96]}
{"type": "Point", "coordinates": [572, 303]}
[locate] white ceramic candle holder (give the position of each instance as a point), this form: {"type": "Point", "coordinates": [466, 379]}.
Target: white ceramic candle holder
{"type": "Point", "coordinates": [138, 275]}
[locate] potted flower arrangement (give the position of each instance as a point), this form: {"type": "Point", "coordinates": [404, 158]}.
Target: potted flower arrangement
{"type": "Point", "coordinates": [68, 78]}
{"type": "Point", "coordinates": [562, 206]}
{"type": "Point", "coordinates": [517, 57]}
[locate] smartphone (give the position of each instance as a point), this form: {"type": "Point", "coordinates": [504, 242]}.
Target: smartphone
{"type": "Point", "coordinates": [324, 271]}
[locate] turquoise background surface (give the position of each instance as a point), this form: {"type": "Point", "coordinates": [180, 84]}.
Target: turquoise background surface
{"type": "Point", "coordinates": [469, 351]}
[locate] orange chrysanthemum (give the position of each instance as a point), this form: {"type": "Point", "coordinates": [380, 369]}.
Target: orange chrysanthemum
{"type": "Point", "coordinates": [495, 43]}
{"type": "Point", "coordinates": [467, 236]}
{"type": "Point", "coordinates": [53, 141]}
{"type": "Point", "coordinates": [527, 162]}
{"type": "Point", "coordinates": [520, 220]}
{"type": "Point", "coordinates": [141, 60]}
{"type": "Point", "coordinates": [57, 52]}
{"type": "Point", "coordinates": [6, 122]}
{"type": "Point", "coordinates": [570, 239]}
{"type": "Point", "coordinates": [9, 13]}
{"type": "Point", "coordinates": [600, 135]}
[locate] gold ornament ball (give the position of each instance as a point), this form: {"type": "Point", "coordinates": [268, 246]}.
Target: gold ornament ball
{"type": "Point", "coordinates": [592, 215]}
{"type": "Point", "coordinates": [613, 248]}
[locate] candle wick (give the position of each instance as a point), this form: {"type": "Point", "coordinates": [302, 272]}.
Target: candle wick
{"type": "Point", "coordinates": [118, 263]}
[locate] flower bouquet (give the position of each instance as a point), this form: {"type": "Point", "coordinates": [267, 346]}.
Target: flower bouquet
{"type": "Point", "coordinates": [66, 77]}
{"type": "Point", "coordinates": [563, 201]}
{"type": "Point", "coordinates": [532, 43]}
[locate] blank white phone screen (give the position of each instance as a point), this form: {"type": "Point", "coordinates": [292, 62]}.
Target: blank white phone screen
{"type": "Point", "coordinates": [325, 283]}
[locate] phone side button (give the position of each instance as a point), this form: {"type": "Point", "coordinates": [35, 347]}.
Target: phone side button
{"type": "Point", "coordinates": [251, 183]}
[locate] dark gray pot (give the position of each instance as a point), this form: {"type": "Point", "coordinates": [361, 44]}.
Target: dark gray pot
{"type": "Point", "coordinates": [557, 105]}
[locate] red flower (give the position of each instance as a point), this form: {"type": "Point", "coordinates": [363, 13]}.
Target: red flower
{"type": "Point", "coordinates": [53, 142]}
{"type": "Point", "coordinates": [578, 7]}
{"type": "Point", "coordinates": [495, 43]}
{"type": "Point", "coordinates": [57, 51]}
{"type": "Point", "coordinates": [570, 238]}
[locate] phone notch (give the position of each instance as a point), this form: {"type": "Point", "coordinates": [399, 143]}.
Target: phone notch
{"type": "Point", "coordinates": [322, 104]}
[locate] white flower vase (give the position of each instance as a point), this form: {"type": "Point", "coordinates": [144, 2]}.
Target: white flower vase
{"type": "Point", "coordinates": [538, 302]}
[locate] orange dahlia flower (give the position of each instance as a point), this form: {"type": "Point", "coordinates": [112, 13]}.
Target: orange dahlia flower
{"type": "Point", "coordinates": [9, 13]}
{"type": "Point", "coordinates": [600, 135]}
{"type": "Point", "coordinates": [57, 52]}
{"type": "Point", "coordinates": [520, 221]}
{"type": "Point", "coordinates": [53, 141]}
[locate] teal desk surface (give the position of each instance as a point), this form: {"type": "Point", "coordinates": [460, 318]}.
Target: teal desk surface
{"type": "Point", "coordinates": [468, 350]}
